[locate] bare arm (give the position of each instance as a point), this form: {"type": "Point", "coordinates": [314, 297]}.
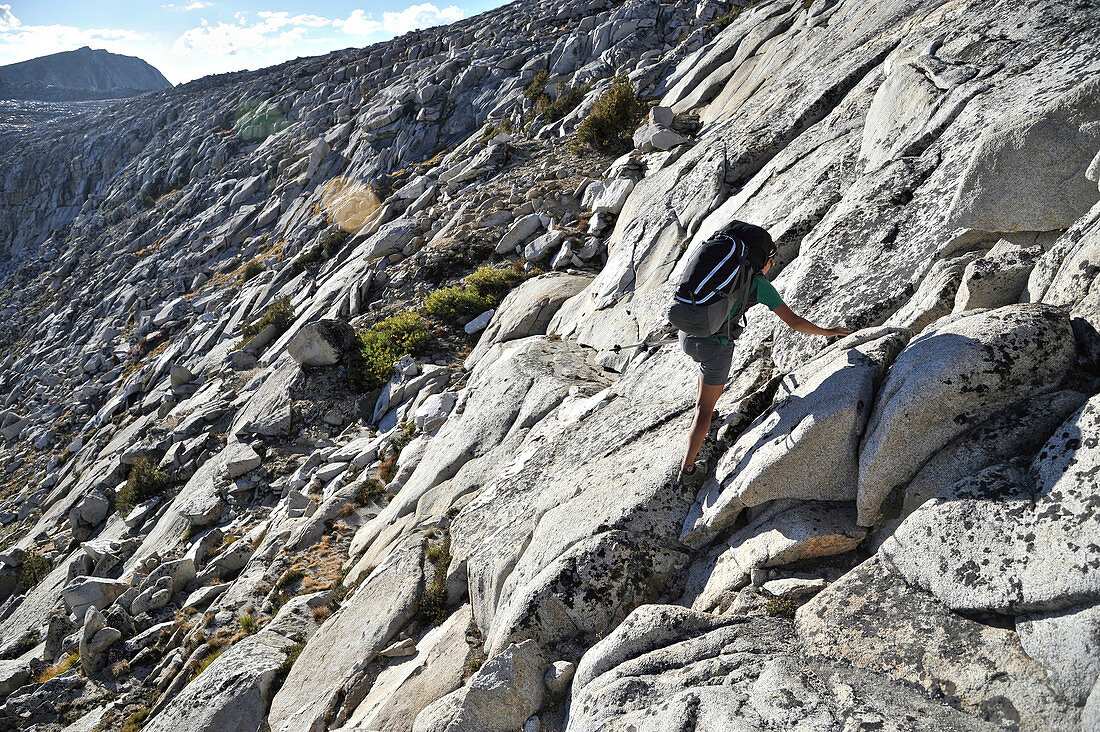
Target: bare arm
{"type": "Point", "coordinates": [797, 322]}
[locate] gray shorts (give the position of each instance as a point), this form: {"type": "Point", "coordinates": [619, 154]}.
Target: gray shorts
{"type": "Point", "coordinates": [714, 359]}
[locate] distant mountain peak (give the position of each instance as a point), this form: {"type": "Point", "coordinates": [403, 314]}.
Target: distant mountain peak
{"type": "Point", "coordinates": [86, 69]}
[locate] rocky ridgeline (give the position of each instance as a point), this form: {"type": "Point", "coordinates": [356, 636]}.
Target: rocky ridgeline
{"type": "Point", "coordinates": [213, 518]}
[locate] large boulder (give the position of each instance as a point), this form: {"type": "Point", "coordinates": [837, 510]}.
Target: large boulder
{"type": "Point", "coordinates": [873, 620]}
{"type": "Point", "coordinates": [1067, 643]}
{"type": "Point", "coordinates": [1069, 276]}
{"type": "Point", "coordinates": [231, 694]}
{"type": "Point", "coordinates": [321, 343]}
{"type": "Point", "coordinates": [1017, 430]}
{"type": "Point", "coordinates": [91, 592]}
{"type": "Point", "coordinates": [267, 411]}
{"type": "Point", "coordinates": [500, 697]}
{"type": "Point", "coordinates": [1028, 172]}
{"type": "Point", "coordinates": [527, 310]}
{"type": "Point", "coordinates": [998, 277]}
{"type": "Point", "coordinates": [955, 374]}
{"type": "Point", "coordinates": [783, 536]}
{"type": "Point", "coordinates": [405, 687]}
{"type": "Point", "coordinates": [669, 668]}
{"type": "Point", "coordinates": [1009, 539]}
{"type": "Point", "coordinates": [804, 446]}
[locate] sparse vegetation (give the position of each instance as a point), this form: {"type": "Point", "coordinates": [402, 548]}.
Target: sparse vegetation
{"type": "Point", "coordinates": [346, 510]}
{"type": "Point", "coordinates": [248, 624]}
{"type": "Point", "coordinates": [433, 602]}
{"type": "Point", "coordinates": [335, 241]}
{"type": "Point", "coordinates": [388, 465]}
{"type": "Point", "coordinates": [134, 722]}
{"type": "Point", "coordinates": [504, 126]}
{"type": "Point", "coordinates": [292, 653]}
{"type": "Point", "coordinates": [382, 345]}
{"type": "Point", "coordinates": [567, 101]}
{"type": "Point", "coordinates": [614, 117]}
{"type": "Point", "coordinates": [781, 607]}
{"type": "Point", "coordinates": [251, 270]}
{"type": "Point", "coordinates": [456, 305]}
{"type": "Point", "coordinates": [306, 259]}
{"type": "Point", "coordinates": [473, 664]}
{"type": "Point", "coordinates": [723, 21]}
{"type": "Point", "coordinates": [144, 482]}
{"type": "Point", "coordinates": [56, 669]}
{"type": "Point", "coordinates": [34, 569]}
{"type": "Point", "coordinates": [208, 659]}
{"type": "Point", "coordinates": [321, 613]}
{"type": "Point", "coordinates": [288, 578]}
{"type": "Point", "coordinates": [369, 490]}
{"type": "Point", "coordinates": [479, 291]}
{"type": "Point", "coordinates": [280, 313]}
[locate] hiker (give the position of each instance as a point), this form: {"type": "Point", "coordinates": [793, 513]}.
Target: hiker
{"type": "Point", "coordinates": [724, 279]}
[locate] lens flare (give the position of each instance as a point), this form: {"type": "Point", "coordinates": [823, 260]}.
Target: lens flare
{"type": "Point", "coordinates": [349, 203]}
{"type": "Point", "coordinates": [255, 120]}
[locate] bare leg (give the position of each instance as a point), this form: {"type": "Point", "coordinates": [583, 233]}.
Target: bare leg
{"type": "Point", "coordinates": [705, 399]}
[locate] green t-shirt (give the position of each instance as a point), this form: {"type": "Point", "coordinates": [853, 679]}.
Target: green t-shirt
{"type": "Point", "coordinates": [762, 292]}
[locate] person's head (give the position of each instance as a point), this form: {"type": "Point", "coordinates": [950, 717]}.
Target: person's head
{"type": "Point", "coordinates": [761, 247]}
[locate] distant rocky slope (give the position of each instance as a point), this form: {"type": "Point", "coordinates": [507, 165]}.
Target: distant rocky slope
{"type": "Point", "coordinates": [85, 73]}
{"type": "Point", "coordinates": [224, 509]}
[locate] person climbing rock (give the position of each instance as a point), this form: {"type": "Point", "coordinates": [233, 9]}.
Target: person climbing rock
{"type": "Point", "coordinates": [724, 278]}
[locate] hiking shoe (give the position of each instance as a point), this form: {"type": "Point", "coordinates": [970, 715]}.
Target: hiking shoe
{"type": "Point", "coordinates": [695, 477]}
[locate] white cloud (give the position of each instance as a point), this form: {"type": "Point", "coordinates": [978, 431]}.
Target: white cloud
{"type": "Point", "coordinates": [8, 21]}
{"type": "Point", "coordinates": [424, 15]}
{"type": "Point", "coordinates": [271, 32]}
{"type": "Point", "coordinates": [198, 5]}
{"type": "Point", "coordinates": [358, 24]}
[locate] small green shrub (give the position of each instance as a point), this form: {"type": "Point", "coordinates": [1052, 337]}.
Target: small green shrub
{"type": "Point", "coordinates": [536, 90]}
{"type": "Point", "coordinates": [433, 602]}
{"type": "Point", "coordinates": [252, 269]}
{"type": "Point", "coordinates": [34, 569]}
{"type": "Point", "coordinates": [289, 577]}
{"type": "Point", "coordinates": [456, 305]}
{"type": "Point", "coordinates": [134, 722]}
{"type": "Point", "coordinates": [292, 653]}
{"type": "Point", "coordinates": [385, 342]}
{"type": "Point", "coordinates": [334, 241]}
{"type": "Point", "coordinates": [473, 665]}
{"type": "Point", "coordinates": [495, 282]}
{"type": "Point", "coordinates": [781, 607]}
{"type": "Point", "coordinates": [279, 313]}
{"type": "Point", "coordinates": [144, 482]}
{"type": "Point", "coordinates": [614, 117]}
{"type": "Point", "coordinates": [368, 491]}
{"type": "Point", "coordinates": [248, 624]}
{"type": "Point", "coordinates": [726, 19]}
{"type": "Point", "coordinates": [505, 125]}
{"type": "Point", "coordinates": [567, 101]}
{"type": "Point", "coordinates": [305, 260]}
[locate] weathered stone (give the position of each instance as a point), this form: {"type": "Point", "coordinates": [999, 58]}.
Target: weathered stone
{"type": "Point", "coordinates": [1012, 541]}
{"type": "Point", "coordinates": [783, 536]}
{"type": "Point", "coordinates": [997, 278]}
{"type": "Point", "coordinates": [1067, 643]}
{"type": "Point", "coordinates": [953, 375]}
{"type": "Point", "coordinates": [805, 446]}
{"type": "Point", "coordinates": [1027, 173]}
{"type": "Point", "coordinates": [321, 343]}
{"type": "Point", "coordinates": [500, 697]}
{"type": "Point", "coordinates": [240, 459]}
{"type": "Point", "coordinates": [91, 592]}
{"type": "Point", "coordinates": [873, 620]}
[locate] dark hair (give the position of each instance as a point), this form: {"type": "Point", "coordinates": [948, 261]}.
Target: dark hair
{"type": "Point", "coordinates": [759, 241]}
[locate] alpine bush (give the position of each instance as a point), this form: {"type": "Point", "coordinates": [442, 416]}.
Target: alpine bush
{"type": "Point", "coordinates": [613, 118]}
{"type": "Point", "coordinates": [279, 313]}
{"type": "Point", "coordinates": [456, 305]}
{"type": "Point", "coordinates": [385, 342]}
{"type": "Point", "coordinates": [144, 482]}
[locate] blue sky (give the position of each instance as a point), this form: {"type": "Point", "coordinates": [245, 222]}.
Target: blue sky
{"type": "Point", "coordinates": [187, 39]}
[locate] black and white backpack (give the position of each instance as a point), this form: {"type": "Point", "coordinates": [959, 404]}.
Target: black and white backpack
{"type": "Point", "coordinates": [718, 276]}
